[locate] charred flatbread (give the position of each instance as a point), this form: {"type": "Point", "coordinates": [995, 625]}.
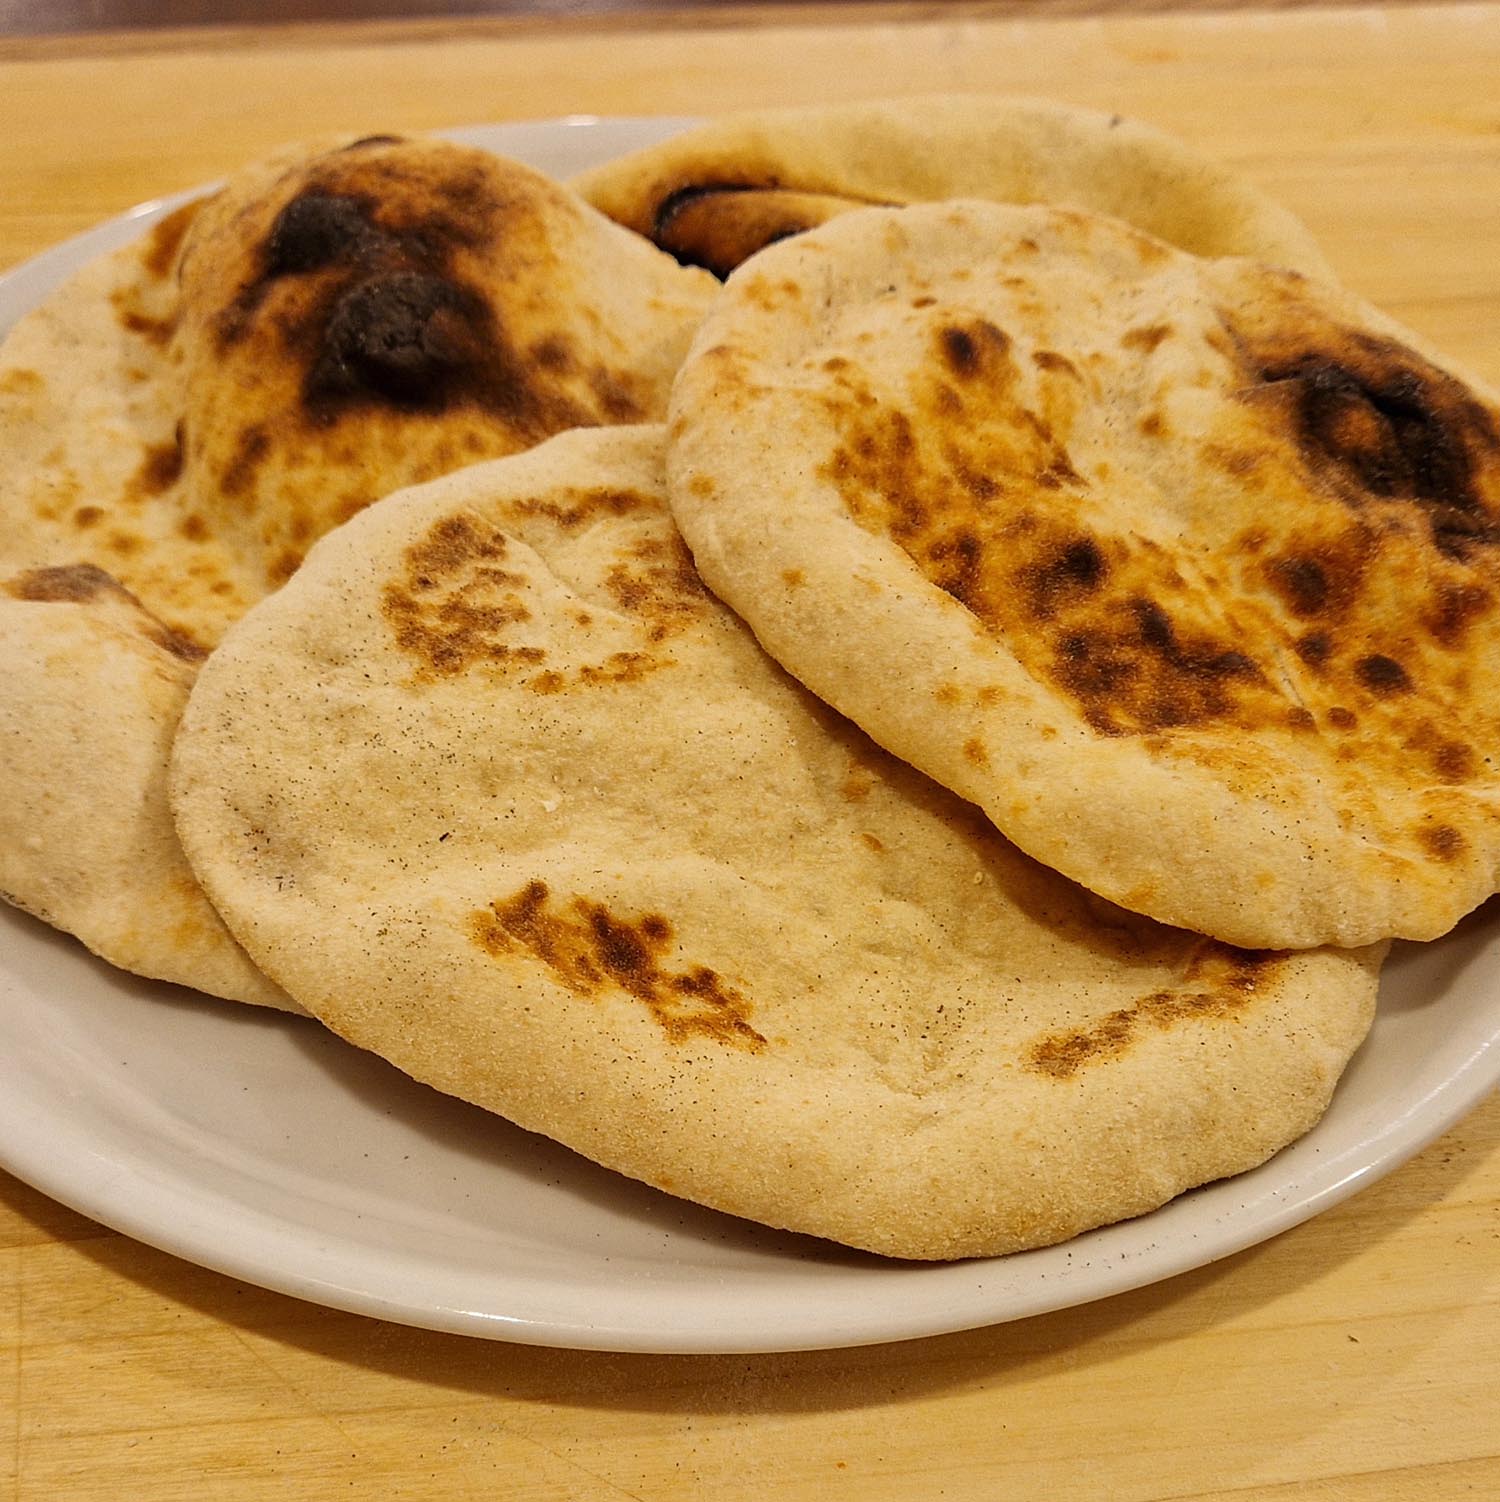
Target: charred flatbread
{"type": "Point", "coordinates": [498, 790]}
{"type": "Point", "coordinates": [715, 195]}
{"type": "Point", "coordinates": [1184, 570]}
{"type": "Point", "coordinates": [180, 421]}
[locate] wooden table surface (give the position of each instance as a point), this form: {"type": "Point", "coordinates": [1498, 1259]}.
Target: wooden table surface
{"type": "Point", "coordinates": [1356, 1357]}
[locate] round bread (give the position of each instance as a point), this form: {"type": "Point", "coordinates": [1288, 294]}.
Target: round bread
{"type": "Point", "coordinates": [184, 417]}
{"type": "Point", "coordinates": [715, 195]}
{"type": "Point", "coordinates": [1185, 571]}
{"type": "Point", "coordinates": [498, 790]}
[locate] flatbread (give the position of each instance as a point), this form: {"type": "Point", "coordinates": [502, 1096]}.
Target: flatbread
{"type": "Point", "coordinates": [1185, 571]}
{"type": "Point", "coordinates": [90, 694]}
{"type": "Point", "coordinates": [715, 195]}
{"type": "Point", "coordinates": [184, 417]}
{"type": "Point", "coordinates": [498, 790]}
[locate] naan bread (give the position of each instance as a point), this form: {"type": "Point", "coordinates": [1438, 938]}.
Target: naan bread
{"type": "Point", "coordinates": [1185, 571]}
{"type": "Point", "coordinates": [180, 421]}
{"type": "Point", "coordinates": [498, 790]}
{"type": "Point", "coordinates": [715, 195]}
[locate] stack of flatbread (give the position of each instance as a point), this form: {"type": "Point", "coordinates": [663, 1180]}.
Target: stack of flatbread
{"type": "Point", "coordinates": [924, 744]}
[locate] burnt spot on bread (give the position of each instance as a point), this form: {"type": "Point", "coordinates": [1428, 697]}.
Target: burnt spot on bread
{"type": "Point", "coordinates": [1314, 648]}
{"type": "Point", "coordinates": [1133, 670]}
{"type": "Point", "coordinates": [408, 339]}
{"type": "Point", "coordinates": [1453, 608]}
{"type": "Point", "coordinates": [370, 283]}
{"type": "Point", "coordinates": [719, 225]}
{"type": "Point", "coordinates": [595, 952]}
{"type": "Point", "coordinates": [1383, 676]}
{"type": "Point", "coordinates": [1218, 986]}
{"type": "Point", "coordinates": [318, 229]}
{"type": "Point", "coordinates": [1074, 568]}
{"type": "Point", "coordinates": [1375, 420]}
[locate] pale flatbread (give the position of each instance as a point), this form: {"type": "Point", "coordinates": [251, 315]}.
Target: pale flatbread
{"type": "Point", "coordinates": [497, 789]}
{"type": "Point", "coordinates": [180, 421]}
{"type": "Point", "coordinates": [1185, 571]}
{"type": "Point", "coordinates": [715, 195]}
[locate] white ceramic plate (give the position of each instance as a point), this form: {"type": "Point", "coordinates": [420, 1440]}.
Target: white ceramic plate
{"type": "Point", "coordinates": [260, 1145]}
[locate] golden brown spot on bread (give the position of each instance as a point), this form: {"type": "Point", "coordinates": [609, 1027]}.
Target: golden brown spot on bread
{"type": "Point", "coordinates": [1453, 761]}
{"type": "Point", "coordinates": [658, 582]}
{"type": "Point", "coordinates": [250, 451]}
{"type": "Point", "coordinates": [87, 516]}
{"type": "Point", "coordinates": [1441, 841]}
{"type": "Point", "coordinates": [455, 603]}
{"type": "Point", "coordinates": [159, 254]}
{"type": "Point", "coordinates": [857, 785]}
{"type": "Point", "coordinates": [793, 578]}
{"type": "Point", "coordinates": [284, 565]}
{"type": "Point", "coordinates": [873, 841]}
{"type": "Point", "coordinates": [594, 952]}
{"type": "Point", "coordinates": [193, 527]}
{"type": "Point", "coordinates": [1218, 985]}
{"type": "Point", "coordinates": [573, 510]}
{"type": "Point", "coordinates": [974, 752]}
{"type": "Point", "coordinates": [80, 583]}
{"type": "Point", "coordinates": [69, 582]}
{"type": "Point", "coordinates": [976, 349]}
{"type": "Point", "coordinates": [159, 470]}
{"type": "Point", "coordinates": [19, 381]}
{"type": "Point", "coordinates": [178, 643]}
{"type": "Point", "coordinates": [960, 500]}
{"type": "Point", "coordinates": [1144, 340]}
{"type": "Point", "coordinates": [1048, 359]}
{"type": "Point", "coordinates": [154, 330]}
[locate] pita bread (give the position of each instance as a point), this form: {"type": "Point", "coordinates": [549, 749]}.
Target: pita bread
{"type": "Point", "coordinates": [182, 419]}
{"type": "Point", "coordinates": [1184, 570]}
{"type": "Point", "coordinates": [715, 195]}
{"type": "Point", "coordinates": [496, 789]}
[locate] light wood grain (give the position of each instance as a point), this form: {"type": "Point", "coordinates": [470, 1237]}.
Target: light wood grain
{"type": "Point", "coordinates": [1356, 1358]}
